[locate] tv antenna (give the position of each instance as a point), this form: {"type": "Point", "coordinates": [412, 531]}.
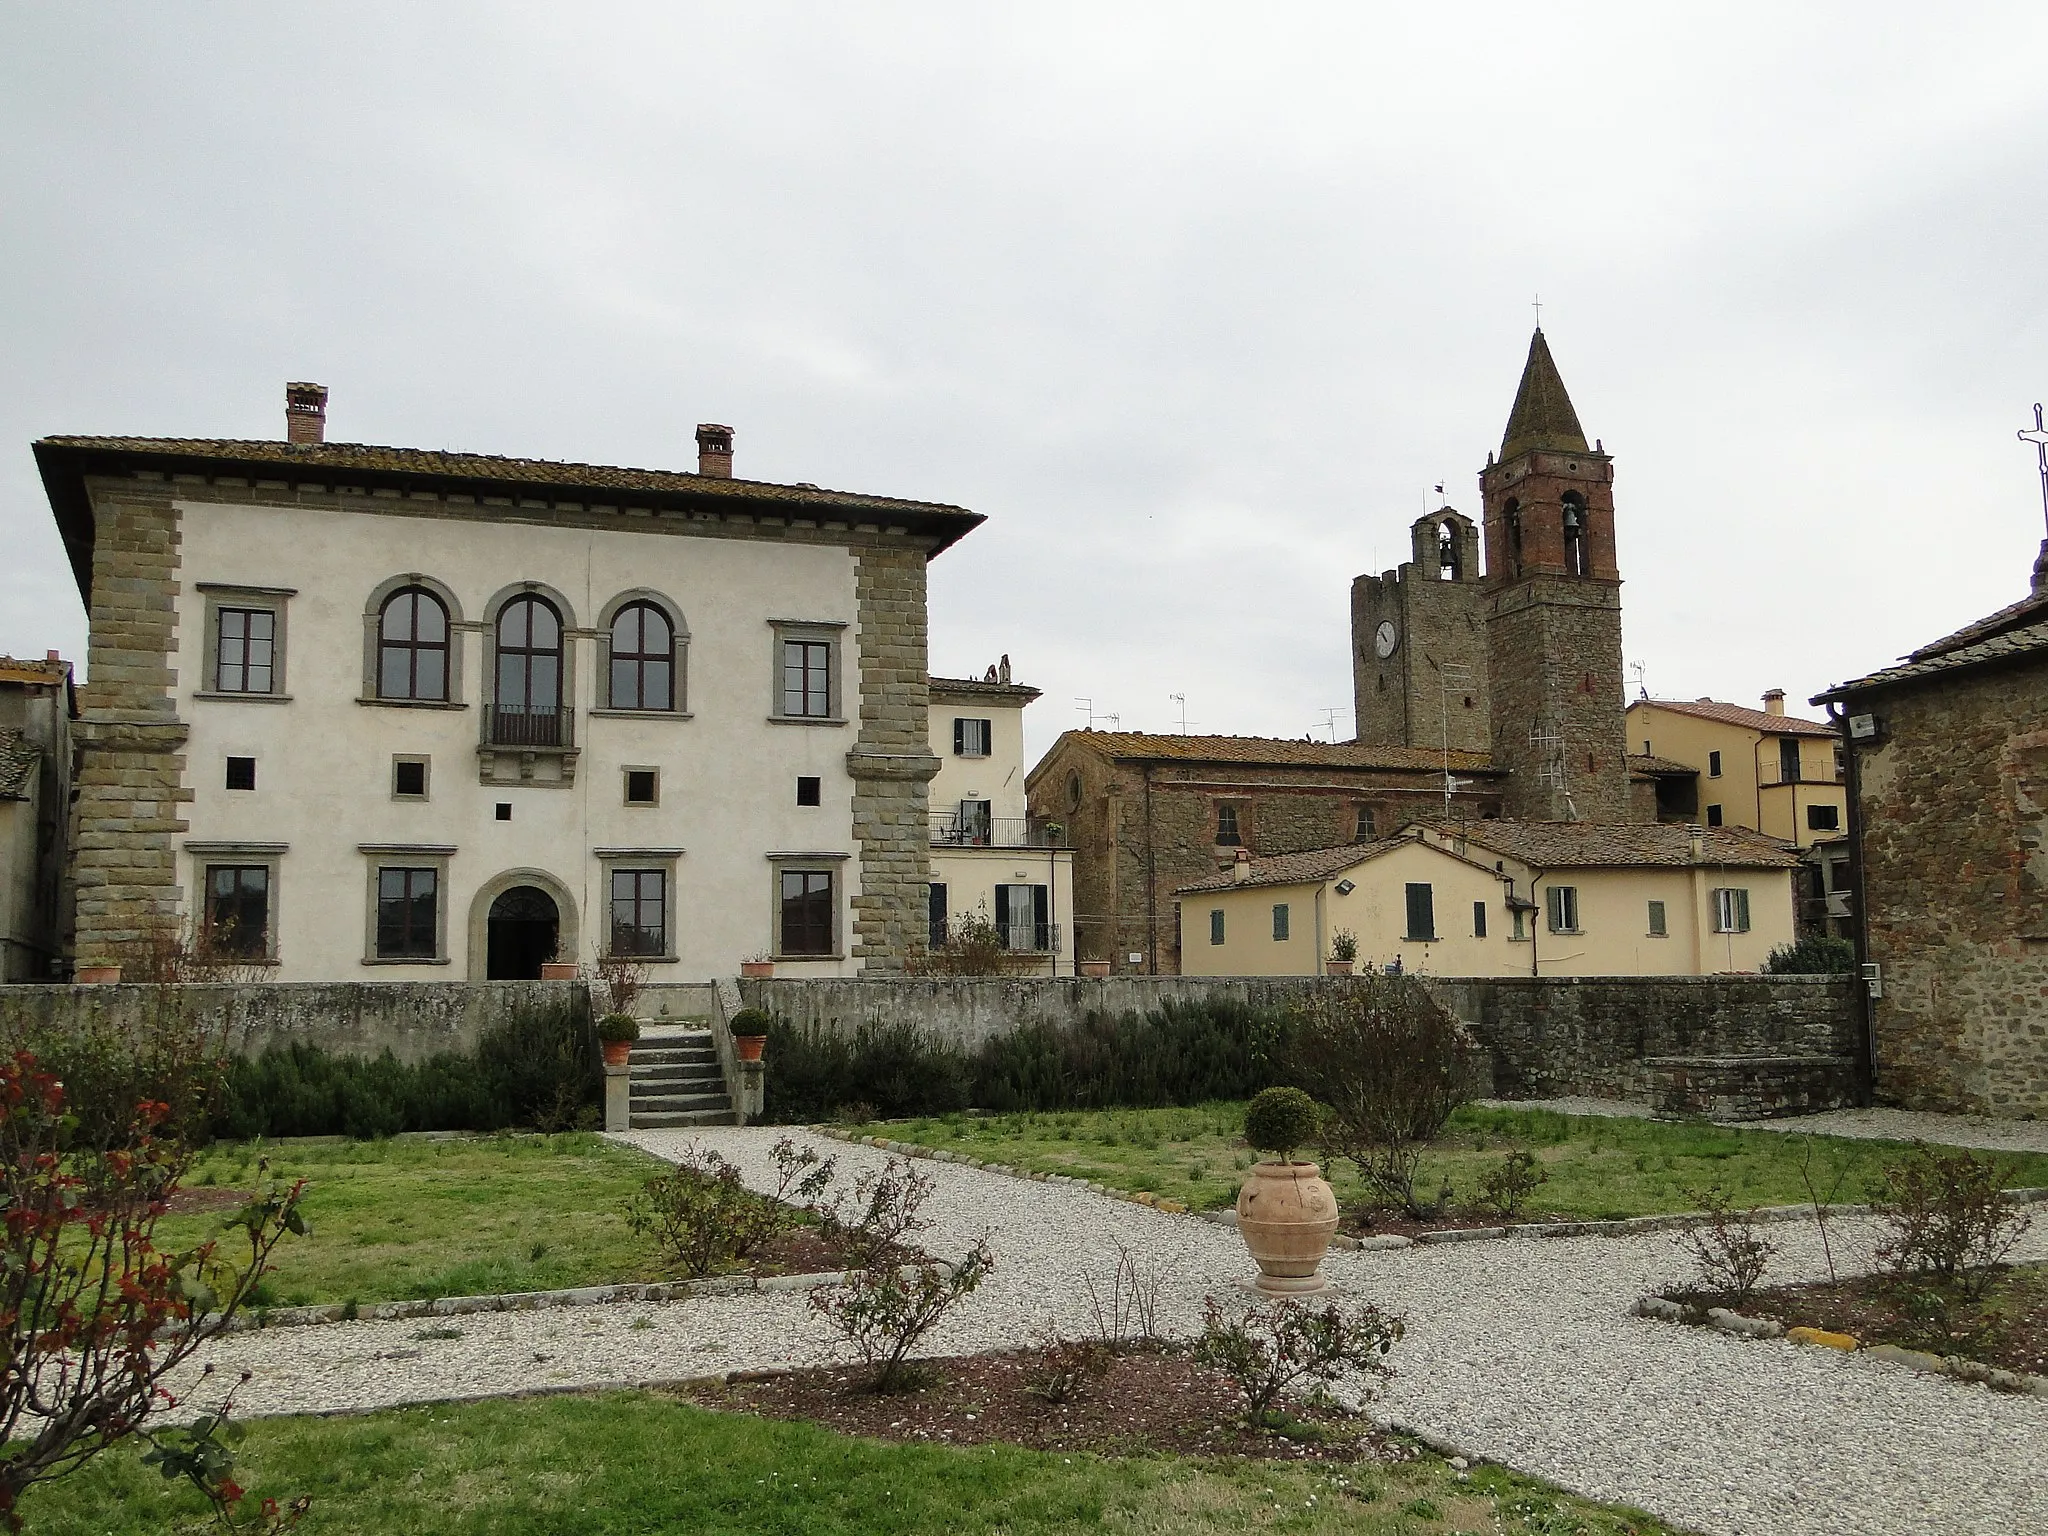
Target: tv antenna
{"type": "Point", "coordinates": [1182, 700]}
{"type": "Point", "coordinates": [1087, 707]}
{"type": "Point", "coordinates": [1451, 677]}
{"type": "Point", "coordinates": [1640, 672]}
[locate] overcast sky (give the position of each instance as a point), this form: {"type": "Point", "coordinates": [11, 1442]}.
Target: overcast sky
{"type": "Point", "coordinates": [1196, 304]}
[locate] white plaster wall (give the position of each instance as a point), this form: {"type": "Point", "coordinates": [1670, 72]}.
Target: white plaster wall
{"type": "Point", "coordinates": [728, 776]}
{"type": "Point", "coordinates": [997, 778]}
{"type": "Point", "coordinates": [971, 876]}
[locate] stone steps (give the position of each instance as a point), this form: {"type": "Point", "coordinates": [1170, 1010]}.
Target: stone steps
{"type": "Point", "coordinates": [675, 1080]}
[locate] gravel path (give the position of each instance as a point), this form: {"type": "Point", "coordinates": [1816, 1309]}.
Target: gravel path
{"type": "Point", "coordinates": [1862, 1124]}
{"type": "Point", "coordinates": [1519, 1351]}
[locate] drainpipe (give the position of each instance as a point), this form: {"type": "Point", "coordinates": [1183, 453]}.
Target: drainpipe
{"type": "Point", "coordinates": [1535, 918]}
{"type": "Point", "coordinates": [1859, 931]}
{"type": "Point", "coordinates": [1322, 945]}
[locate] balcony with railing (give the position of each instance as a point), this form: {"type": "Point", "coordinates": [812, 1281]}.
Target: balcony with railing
{"type": "Point", "coordinates": [508, 725]}
{"type": "Point", "coordinates": [965, 829]}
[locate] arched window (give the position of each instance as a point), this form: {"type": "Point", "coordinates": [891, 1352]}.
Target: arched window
{"type": "Point", "coordinates": [1447, 557]}
{"type": "Point", "coordinates": [528, 708]}
{"type": "Point", "coordinates": [1514, 518]}
{"type": "Point", "coordinates": [1575, 533]}
{"type": "Point", "coordinates": [412, 646]}
{"type": "Point", "coordinates": [643, 658]}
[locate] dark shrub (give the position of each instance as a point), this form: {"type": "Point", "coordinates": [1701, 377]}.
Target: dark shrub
{"type": "Point", "coordinates": [1818, 954]}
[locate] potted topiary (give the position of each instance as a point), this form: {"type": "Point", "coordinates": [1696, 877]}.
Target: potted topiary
{"type": "Point", "coordinates": [1343, 952]}
{"type": "Point", "coordinates": [1286, 1213]}
{"type": "Point", "coordinates": [750, 1033]}
{"type": "Point", "coordinates": [616, 1032]}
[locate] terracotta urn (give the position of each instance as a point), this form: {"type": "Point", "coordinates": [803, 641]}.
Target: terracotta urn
{"type": "Point", "coordinates": [1097, 968]}
{"type": "Point", "coordinates": [1287, 1215]}
{"type": "Point", "coordinates": [757, 970]}
{"type": "Point", "coordinates": [97, 975]}
{"type": "Point", "coordinates": [558, 970]}
{"type": "Point", "coordinates": [617, 1052]}
{"type": "Point", "coordinates": [1338, 967]}
{"type": "Point", "coordinates": [748, 1047]}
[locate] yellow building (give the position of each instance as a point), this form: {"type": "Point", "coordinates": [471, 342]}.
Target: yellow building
{"type": "Point", "coordinates": [1763, 769]}
{"type": "Point", "coordinates": [1502, 898]}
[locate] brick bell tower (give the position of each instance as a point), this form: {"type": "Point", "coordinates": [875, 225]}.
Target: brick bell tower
{"type": "Point", "coordinates": [1553, 610]}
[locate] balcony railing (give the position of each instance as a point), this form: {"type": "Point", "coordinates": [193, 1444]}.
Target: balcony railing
{"type": "Point", "coordinates": [507, 725]}
{"type": "Point", "coordinates": [1030, 938]}
{"type": "Point", "coordinates": [952, 830]}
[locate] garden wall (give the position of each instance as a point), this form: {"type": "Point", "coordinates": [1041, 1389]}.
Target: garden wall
{"type": "Point", "coordinates": [1724, 1045]}
{"type": "Point", "coordinates": [412, 1019]}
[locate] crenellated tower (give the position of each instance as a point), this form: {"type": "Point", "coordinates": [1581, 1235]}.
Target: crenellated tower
{"type": "Point", "coordinates": [1553, 610]}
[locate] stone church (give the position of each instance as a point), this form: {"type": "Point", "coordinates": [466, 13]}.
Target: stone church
{"type": "Point", "coordinates": [1520, 659]}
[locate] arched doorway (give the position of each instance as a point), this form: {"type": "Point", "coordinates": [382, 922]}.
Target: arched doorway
{"type": "Point", "coordinates": [522, 930]}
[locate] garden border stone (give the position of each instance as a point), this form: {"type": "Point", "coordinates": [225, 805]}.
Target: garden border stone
{"type": "Point", "coordinates": [1722, 1320]}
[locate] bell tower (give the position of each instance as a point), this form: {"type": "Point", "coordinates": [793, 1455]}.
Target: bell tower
{"type": "Point", "coordinates": [1553, 610]}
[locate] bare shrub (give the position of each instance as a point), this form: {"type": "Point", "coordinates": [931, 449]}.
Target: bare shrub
{"type": "Point", "coordinates": [882, 1214]}
{"type": "Point", "coordinates": [1391, 1064]}
{"type": "Point", "coordinates": [1070, 1365]}
{"type": "Point", "coordinates": [1730, 1251]}
{"type": "Point", "coordinates": [1129, 1311]}
{"type": "Point", "coordinates": [623, 978]}
{"type": "Point", "coordinates": [1506, 1187]}
{"type": "Point", "coordinates": [167, 950]}
{"type": "Point", "coordinates": [1950, 1221]}
{"type": "Point", "coordinates": [701, 1214]}
{"type": "Point", "coordinates": [973, 946]}
{"type": "Point", "coordinates": [1267, 1350]}
{"type": "Point", "coordinates": [884, 1308]}
{"type": "Point", "coordinates": [1823, 1205]}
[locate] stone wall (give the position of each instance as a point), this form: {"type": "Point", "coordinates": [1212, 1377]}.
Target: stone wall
{"type": "Point", "coordinates": [1684, 1044]}
{"type": "Point", "coordinates": [1954, 812]}
{"type": "Point", "coordinates": [411, 1019]}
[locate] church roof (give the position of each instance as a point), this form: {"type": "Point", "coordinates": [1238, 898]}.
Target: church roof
{"type": "Point", "coordinates": [1543, 416]}
{"type": "Point", "coordinates": [1269, 752]}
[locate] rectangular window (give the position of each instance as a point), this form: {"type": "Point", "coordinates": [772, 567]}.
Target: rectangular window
{"type": "Point", "coordinates": [935, 897]}
{"type": "Point", "coordinates": [1731, 910]}
{"type": "Point", "coordinates": [241, 773]}
{"type": "Point", "coordinates": [406, 913]}
{"type": "Point", "coordinates": [409, 778]}
{"type": "Point", "coordinates": [810, 789]}
{"type": "Point", "coordinates": [1518, 919]}
{"type": "Point", "coordinates": [1713, 765]}
{"type": "Point", "coordinates": [807, 912]}
{"type": "Point", "coordinates": [807, 679]}
{"type": "Point", "coordinates": [1788, 759]}
{"type": "Point", "coordinates": [1823, 818]}
{"type": "Point", "coordinates": [1713, 815]}
{"type": "Point", "coordinates": [1657, 927]}
{"type": "Point", "coordinates": [1021, 912]}
{"type": "Point", "coordinates": [1478, 919]}
{"type": "Point", "coordinates": [1841, 760]}
{"type": "Point", "coordinates": [1421, 912]}
{"type": "Point", "coordinates": [1368, 825]}
{"type": "Point", "coordinates": [1279, 922]}
{"type": "Point", "coordinates": [974, 823]}
{"type": "Point", "coordinates": [238, 910]}
{"type": "Point", "coordinates": [639, 911]}
{"type": "Point", "coordinates": [1226, 826]}
{"type": "Point", "coordinates": [504, 810]}
{"type": "Point", "coordinates": [1564, 908]}
{"type": "Point", "coordinates": [972, 738]}
{"type": "Point", "coordinates": [643, 786]}
{"type": "Point", "coordinates": [245, 645]}
{"type": "Point", "coordinates": [1215, 925]}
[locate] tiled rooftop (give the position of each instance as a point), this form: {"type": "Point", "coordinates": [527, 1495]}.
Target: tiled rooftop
{"type": "Point", "coordinates": [1297, 868]}
{"type": "Point", "coordinates": [1267, 751]}
{"type": "Point", "coordinates": [2012, 644]}
{"type": "Point", "coordinates": [19, 760]}
{"type": "Point", "coordinates": [1739, 714]}
{"type": "Point", "coordinates": [1595, 845]}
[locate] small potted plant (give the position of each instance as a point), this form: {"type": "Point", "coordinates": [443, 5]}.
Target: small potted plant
{"type": "Point", "coordinates": [1343, 952]}
{"type": "Point", "coordinates": [1286, 1212]}
{"type": "Point", "coordinates": [1096, 968]}
{"type": "Point", "coordinates": [757, 967]}
{"type": "Point", "coordinates": [750, 1033]}
{"type": "Point", "coordinates": [616, 1032]}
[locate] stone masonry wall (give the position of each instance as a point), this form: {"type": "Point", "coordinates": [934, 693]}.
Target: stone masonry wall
{"type": "Point", "coordinates": [891, 762]}
{"type": "Point", "coordinates": [131, 773]}
{"type": "Point", "coordinates": [1954, 810]}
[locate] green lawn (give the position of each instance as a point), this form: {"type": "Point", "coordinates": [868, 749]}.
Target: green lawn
{"type": "Point", "coordinates": [1598, 1167]}
{"type": "Point", "coordinates": [637, 1462]}
{"type": "Point", "coordinates": [394, 1220]}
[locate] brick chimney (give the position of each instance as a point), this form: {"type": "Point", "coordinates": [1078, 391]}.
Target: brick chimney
{"type": "Point", "coordinates": [714, 450]}
{"type": "Point", "coordinates": [305, 413]}
{"type": "Point", "coordinates": [1774, 701]}
{"type": "Point", "coordinates": [1241, 871]}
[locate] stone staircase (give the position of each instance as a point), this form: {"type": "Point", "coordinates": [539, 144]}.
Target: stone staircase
{"type": "Point", "coordinates": [675, 1077]}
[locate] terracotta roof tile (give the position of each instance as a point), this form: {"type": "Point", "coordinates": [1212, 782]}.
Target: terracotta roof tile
{"type": "Point", "coordinates": [41, 673]}
{"type": "Point", "coordinates": [20, 759]}
{"type": "Point", "coordinates": [2008, 646]}
{"type": "Point", "coordinates": [1748, 719]}
{"type": "Point", "coordinates": [980, 688]}
{"type": "Point", "coordinates": [1298, 868]}
{"type": "Point", "coordinates": [1596, 845]}
{"type": "Point", "coordinates": [1266, 751]}
{"type": "Point", "coordinates": [2031, 608]}
{"type": "Point", "coordinates": [1660, 767]}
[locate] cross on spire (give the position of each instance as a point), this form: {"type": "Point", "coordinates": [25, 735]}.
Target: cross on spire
{"type": "Point", "coordinates": [2038, 436]}
{"type": "Point", "coordinates": [1537, 304]}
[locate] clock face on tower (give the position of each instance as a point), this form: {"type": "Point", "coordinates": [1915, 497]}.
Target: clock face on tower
{"type": "Point", "coordinates": [1385, 638]}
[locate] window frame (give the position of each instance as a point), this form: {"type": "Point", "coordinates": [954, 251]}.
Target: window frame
{"type": "Point", "coordinates": [626, 772]}
{"type": "Point", "coordinates": [829, 633]}
{"type": "Point", "coordinates": [938, 919]}
{"type": "Point", "coordinates": [1428, 933]}
{"type": "Point", "coordinates": [225, 597]}
{"type": "Point", "coordinates": [662, 861]}
{"type": "Point", "coordinates": [1714, 817]}
{"type": "Point", "coordinates": [425, 763]}
{"type": "Point", "coordinates": [1007, 924]}
{"type": "Point", "coordinates": [1235, 830]}
{"type": "Point", "coordinates": [816, 781]}
{"type": "Point", "coordinates": [1713, 765]}
{"type": "Point", "coordinates": [567, 637]}
{"type": "Point", "coordinates": [270, 856]}
{"type": "Point", "coordinates": [414, 646]}
{"type": "Point", "coordinates": [228, 784]}
{"type": "Point", "coordinates": [379, 857]}
{"type": "Point", "coordinates": [1367, 825]}
{"type": "Point", "coordinates": [1216, 925]}
{"type": "Point", "coordinates": [373, 636]}
{"type": "Point", "coordinates": [1479, 919]}
{"type": "Point", "coordinates": [1833, 812]}
{"type": "Point", "coordinates": [678, 707]}
{"type": "Point", "coordinates": [1282, 922]}
{"type": "Point", "coordinates": [1659, 920]}
{"type": "Point", "coordinates": [1731, 909]}
{"type": "Point", "coordinates": [835, 924]}
{"type": "Point", "coordinates": [985, 729]}
{"type": "Point", "coordinates": [1561, 909]}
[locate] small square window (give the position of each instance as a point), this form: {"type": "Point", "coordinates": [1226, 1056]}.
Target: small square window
{"type": "Point", "coordinates": [643, 786]}
{"type": "Point", "coordinates": [1713, 815]}
{"type": "Point", "coordinates": [409, 778]}
{"type": "Point", "coordinates": [810, 790]}
{"type": "Point", "coordinates": [241, 773]}
{"type": "Point", "coordinates": [504, 810]}
{"type": "Point", "coordinates": [1823, 818]}
{"type": "Point", "coordinates": [971, 738]}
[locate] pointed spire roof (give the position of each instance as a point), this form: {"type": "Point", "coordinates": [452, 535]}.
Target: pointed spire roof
{"type": "Point", "coordinates": [1543, 416]}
